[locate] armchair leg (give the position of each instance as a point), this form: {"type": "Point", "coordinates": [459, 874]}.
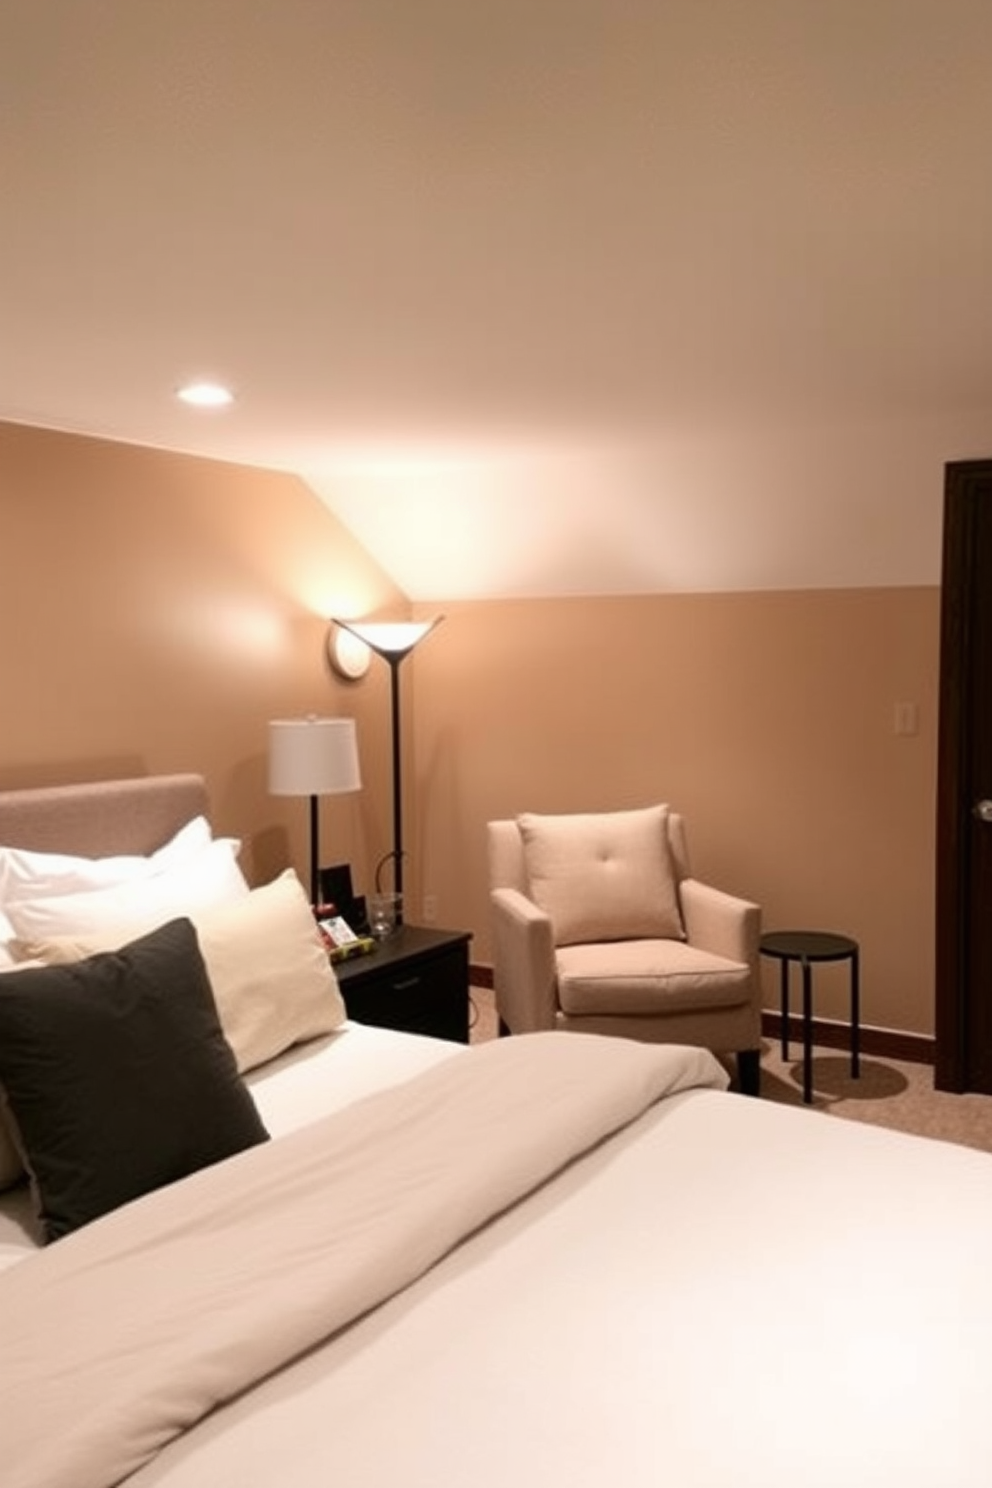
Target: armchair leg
{"type": "Point", "coordinates": [749, 1071]}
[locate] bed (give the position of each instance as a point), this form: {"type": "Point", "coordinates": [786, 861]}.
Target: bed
{"type": "Point", "coordinates": [547, 1259]}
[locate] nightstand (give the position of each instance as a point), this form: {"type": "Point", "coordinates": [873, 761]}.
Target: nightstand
{"type": "Point", "coordinates": [415, 981]}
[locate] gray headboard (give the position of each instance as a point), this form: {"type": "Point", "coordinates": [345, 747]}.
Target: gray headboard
{"type": "Point", "coordinates": [104, 817]}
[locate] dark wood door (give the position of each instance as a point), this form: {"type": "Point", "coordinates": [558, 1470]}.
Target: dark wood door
{"type": "Point", "coordinates": [964, 787]}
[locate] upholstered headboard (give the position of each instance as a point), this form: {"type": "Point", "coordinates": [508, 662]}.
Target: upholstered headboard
{"type": "Point", "coordinates": [104, 817]}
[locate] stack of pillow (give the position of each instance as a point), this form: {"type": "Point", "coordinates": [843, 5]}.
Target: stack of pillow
{"type": "Point", "coordinates": [40, 890]}
{"type": "Point", "coordinates": [135, 992]}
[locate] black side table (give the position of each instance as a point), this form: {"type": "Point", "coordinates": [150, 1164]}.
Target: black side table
{"type": "Point", "coordinates": [806, 947]}
{"type": "Point", "coordinates": [416, 980]}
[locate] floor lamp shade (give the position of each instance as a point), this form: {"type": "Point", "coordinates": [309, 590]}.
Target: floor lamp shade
{"type": "Point", "coordinates": [313, 757]}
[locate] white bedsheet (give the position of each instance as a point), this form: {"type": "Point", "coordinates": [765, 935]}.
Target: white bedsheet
{"type": "Point", "coordinates": [729, 1294]}
{"type": "Point", "coordinates": [314, 1079]}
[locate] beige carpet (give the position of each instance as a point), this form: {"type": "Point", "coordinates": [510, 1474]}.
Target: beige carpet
{"type": "Point", "coordinates": [482, 1016]}
{"type": "Point", "coordinates": [889, 1092]}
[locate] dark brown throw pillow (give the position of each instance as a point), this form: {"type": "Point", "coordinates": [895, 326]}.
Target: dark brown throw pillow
{"type": "Point", "coordinates": [118, 1075]}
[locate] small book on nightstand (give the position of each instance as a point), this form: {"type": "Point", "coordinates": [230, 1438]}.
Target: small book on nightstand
{"type": "Point", "coordinates": [360, 947]}
{"type": "Point", "coordinates": [341, 941]}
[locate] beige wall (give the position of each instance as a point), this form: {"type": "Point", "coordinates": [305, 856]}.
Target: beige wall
{"type": "Point", "coordinates": [766, 718]}
{"type": "Point", "coordinates": [157, 610]}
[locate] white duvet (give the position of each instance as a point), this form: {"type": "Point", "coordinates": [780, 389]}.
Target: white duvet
{"type": "Point", "coordinates": [728, 1293]}
{"type": "Point", "coordinates": [121, 1337]}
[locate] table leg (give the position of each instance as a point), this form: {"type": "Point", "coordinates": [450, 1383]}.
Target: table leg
{"type": "Point", "coordinates": [785, 1009]}
{"type": "Point", "coordinates": [855, 1016]}
{"type": "Point", "coordinates": [807, 1033]}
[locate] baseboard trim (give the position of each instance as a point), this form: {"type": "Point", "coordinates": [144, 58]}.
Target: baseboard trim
{"type": "Point", "coordinates": [884, 1043]}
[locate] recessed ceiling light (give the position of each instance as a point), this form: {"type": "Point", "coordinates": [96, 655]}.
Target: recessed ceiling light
{"type": "Point", "coordinates": [205, 395]}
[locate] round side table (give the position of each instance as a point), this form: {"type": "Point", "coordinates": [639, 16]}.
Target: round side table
{"type": "Point", "coordinates": [807, 947]}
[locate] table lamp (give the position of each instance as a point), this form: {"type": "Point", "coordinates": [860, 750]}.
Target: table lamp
{"type": "Point", "coordinates": [313, 757]}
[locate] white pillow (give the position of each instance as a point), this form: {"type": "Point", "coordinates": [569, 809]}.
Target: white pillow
{"type": "Point", "coordinates": [269, 970]}
{"type": "Point", "coordinates": [209, 879]}
{"type": "Point", "coordinates": [603, 875]}
{"type": "Point", "coordinates": [41, 875]}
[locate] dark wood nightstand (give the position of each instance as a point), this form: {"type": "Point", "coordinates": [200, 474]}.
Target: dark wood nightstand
{"type": "Point", "coordinates": [416, 981]}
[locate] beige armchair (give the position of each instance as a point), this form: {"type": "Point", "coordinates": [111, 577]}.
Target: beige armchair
{"type": "Point", "coordinates": [598, 926]}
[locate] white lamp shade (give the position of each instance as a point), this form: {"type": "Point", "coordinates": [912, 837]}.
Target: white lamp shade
{"type": "Point", "coordinates": [313, 757]}
{"type": "Point", "coordinates": [390, 638]}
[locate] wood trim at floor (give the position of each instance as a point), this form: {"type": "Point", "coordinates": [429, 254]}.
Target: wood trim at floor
{"type": "Point", "coordinates": [885, 1043]}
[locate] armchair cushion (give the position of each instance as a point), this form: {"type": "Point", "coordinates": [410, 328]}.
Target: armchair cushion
{"type": "Point", "coordinates": [647, 978]}
{"type": "Point", "coordinates": [603, 876]}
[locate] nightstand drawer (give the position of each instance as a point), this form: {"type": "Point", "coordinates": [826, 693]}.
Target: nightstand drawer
{"type": "Point", "coordinates": [416, 982]}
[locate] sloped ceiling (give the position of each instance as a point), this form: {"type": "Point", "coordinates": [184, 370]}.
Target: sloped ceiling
{"type": "Point", "coordinates": [541, 296]}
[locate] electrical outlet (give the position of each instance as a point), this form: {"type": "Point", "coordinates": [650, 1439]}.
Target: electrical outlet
{"type": "Point", "coordinates": [906, 720]}
{"type": "Point", "coordinates": [430, 909]}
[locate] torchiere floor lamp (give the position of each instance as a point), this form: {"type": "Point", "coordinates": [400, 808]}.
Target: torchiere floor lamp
{"type": "Point", "coordinates": [393, 641]}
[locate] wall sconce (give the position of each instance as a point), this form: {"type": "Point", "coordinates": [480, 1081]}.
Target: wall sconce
{"type": "Point", "coordinates": [313, 757]}
{"type": "Point", "coordinates": [393, 641]}
{"type": "Point", "coordinates": [349, 655]}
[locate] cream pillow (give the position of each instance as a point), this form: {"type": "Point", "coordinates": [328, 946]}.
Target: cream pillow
{"type": "Point", "coordinates": [603, 875]}
{"type": "Point", "coordinates": [270, 974]}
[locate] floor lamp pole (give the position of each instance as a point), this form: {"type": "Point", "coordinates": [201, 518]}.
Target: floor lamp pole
{"type": "Point", "coordinates": [394, 676]}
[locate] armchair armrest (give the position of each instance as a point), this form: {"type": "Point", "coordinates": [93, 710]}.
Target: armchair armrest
{"type": "Point", "coordinates": [719, 922]}
{"type": "Point", "coordinates": [524, 974]}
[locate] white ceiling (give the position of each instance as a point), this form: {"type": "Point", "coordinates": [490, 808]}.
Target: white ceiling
{"type": "Point", "coordinates": [542, 296]}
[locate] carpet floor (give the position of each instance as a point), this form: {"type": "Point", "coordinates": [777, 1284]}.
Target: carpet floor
{"type": "Point", "coordinates": [889, 1092]}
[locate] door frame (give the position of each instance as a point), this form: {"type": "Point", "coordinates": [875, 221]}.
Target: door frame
{"type": "Point", "coordinates": [965, 482]}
